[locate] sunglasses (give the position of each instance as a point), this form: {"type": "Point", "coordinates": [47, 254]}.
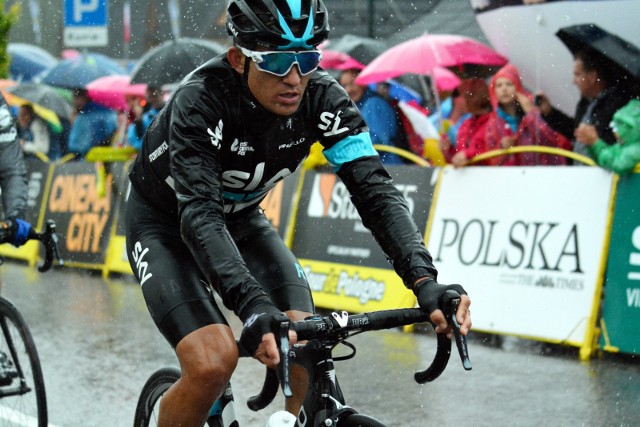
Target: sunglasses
{"type": "Point", "coordinates": [279, 63]}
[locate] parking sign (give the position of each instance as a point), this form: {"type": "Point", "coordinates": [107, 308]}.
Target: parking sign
{"type": "Point", "coordinates": [85, 23]}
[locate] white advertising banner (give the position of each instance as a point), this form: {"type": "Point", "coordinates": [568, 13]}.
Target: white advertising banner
{"type": "Point", "coordinates": [526, 243]}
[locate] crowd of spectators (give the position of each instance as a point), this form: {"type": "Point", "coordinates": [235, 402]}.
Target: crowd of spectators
{"type": "Point", "coordinates": [477, 117]}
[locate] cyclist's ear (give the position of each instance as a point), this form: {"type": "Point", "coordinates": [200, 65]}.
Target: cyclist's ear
{"type": "Point", "coordinates": [236, 59]}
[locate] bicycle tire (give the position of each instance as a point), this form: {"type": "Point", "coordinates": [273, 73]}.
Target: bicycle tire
{"type": "Point", "coordinates": [23, 399]}
{"type": "Point", "coordinates": [360, 420]}
{"type": "Point", "coordinates": [151, 394]}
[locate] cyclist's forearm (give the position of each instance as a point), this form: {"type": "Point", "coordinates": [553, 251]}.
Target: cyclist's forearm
{"type": "Point", "coordinates": [206, 235]}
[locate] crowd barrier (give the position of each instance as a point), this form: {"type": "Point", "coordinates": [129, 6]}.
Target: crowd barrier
{"type": "Point", "coordinates": [534, 246]}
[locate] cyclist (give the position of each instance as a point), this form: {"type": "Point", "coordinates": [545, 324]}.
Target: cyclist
{"type": "Point", "coordinates": [13, 181]}
{"type": "Point", "coordinates": [232, 129]}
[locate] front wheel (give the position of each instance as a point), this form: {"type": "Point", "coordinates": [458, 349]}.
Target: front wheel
{"type": "Point", "coordinates": [24, 401]}
{"type": "Point", "coordinates": [148, 406]}
{"type": "Point", "coordinates": [359, 420]}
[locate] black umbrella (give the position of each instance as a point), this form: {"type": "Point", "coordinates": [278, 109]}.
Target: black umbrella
{"type": "Point", "coordinates": [362, 49]}
{"type": "Point", "coordinates": [43, 95]}
{"type": "Point", "coordinates": [616, 51]}
{"type": "Point", "coordinates": [171, 61]}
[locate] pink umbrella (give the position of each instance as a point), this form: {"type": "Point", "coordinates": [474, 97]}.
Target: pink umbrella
{"type": "Point", "coordinates": [422, 54]}
{"type": "Point", "coordinates": [111, 91]}
{"type": "Point", "coordinates": [70, 54]}
{"type": "Point", "coordinates": [332, 60]}
{"type": "Point", "coordinates": [446, 80]}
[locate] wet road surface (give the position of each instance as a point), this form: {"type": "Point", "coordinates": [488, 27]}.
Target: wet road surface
{"type": "Point", "coordinates": [98, 345]}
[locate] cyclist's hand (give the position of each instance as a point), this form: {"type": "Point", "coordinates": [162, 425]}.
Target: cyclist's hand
{"type": "Point", "coordinates": [430, 298]}
{"type": "Point", "coordinates": [258, 334]}
{"type": "Point", "coordinates": [14, 231]}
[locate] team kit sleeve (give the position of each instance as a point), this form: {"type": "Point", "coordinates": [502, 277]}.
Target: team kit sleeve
{"type": "Point", "coordinates": [13, 173]}
{"type": "Point", "coordinates": [194, 142]}
{"type": "Point", "coordinates": [381, 206]}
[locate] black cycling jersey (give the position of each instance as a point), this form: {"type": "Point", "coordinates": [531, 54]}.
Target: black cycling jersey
{"type": "Point", "coordinates": [13, 172]}
{"type": "Point", "coordinates": [214, 152]}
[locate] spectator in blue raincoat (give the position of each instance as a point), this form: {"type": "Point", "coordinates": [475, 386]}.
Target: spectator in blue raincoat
{"type": "Point", "coordinates": [144, 116]}
{"type": "Point", "coordinates": [377, 113]}
{"type": "Point", "coordinates": [93, 124]}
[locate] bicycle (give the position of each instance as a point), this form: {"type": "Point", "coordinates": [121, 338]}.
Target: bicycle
{"type": "Point", "coordinates": [324, 404]}
{"type": "Point", "coordinates": [23, 399]}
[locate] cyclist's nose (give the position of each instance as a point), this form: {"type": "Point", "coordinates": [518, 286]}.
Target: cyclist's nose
{"type": "Point", "coordinates": [293, 77]}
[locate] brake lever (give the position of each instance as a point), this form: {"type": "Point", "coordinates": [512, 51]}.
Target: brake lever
{"type": "Point", "coordinates": [49, 239]}
{"type": "Point", "coordinates": [461, 340]}
{"type": "Point", "coordinates": [284, 369]}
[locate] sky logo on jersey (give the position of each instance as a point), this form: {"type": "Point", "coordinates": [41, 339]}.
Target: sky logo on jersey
{"type": "Point", "coordinates": [331, 123]}
{"type": "Point", "coordinates": [138, 254]}
{"type": "Point", "coordinates": [216, 137]}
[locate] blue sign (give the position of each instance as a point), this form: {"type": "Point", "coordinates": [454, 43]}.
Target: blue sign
{"type": "Point", "coordinates": [85, 13]}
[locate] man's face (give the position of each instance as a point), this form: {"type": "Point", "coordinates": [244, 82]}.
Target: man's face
{"type": "Point", "coordinates": [584, 80]}
{"type": "Point", "coordinates": [354, 90]}
{"type": "Point", "coordinates": [278, 95]}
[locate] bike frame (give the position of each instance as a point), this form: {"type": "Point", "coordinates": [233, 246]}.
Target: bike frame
{"type": "Point", "coordinates": [22, 388]}
{"type": "Point", "coordinates": [324, 399]}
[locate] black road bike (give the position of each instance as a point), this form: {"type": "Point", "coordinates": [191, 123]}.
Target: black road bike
{"type": "Point", "coordinates": [23, 400]}
{"type": "Point", "coordinates": [324, 404]}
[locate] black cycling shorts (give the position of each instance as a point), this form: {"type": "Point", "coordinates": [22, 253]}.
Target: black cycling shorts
{"type": "Point", "coordinates": [175, 290]}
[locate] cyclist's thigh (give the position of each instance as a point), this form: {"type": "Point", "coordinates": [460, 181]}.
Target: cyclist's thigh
{"type": "Point", "coordinates": [172, 284]}
{"type": "Point", "coordinates": [271, 262]}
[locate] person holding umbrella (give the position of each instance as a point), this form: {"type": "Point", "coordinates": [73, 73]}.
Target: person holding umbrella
{"type": "Point", "coordinates": [33, 132]}
{"type": "Point", "coordinates": [143, 115]}
{"type": "Point", "coordinates": [623, 156]}
{"type": "Point", "coordinates": [606, 70]}
{"type": "Point", "coordinates": [230, 132]}
{"type": "Point", "coordinates": [93, 124]}
{"type": "Point", "coordinates": [379, 115]}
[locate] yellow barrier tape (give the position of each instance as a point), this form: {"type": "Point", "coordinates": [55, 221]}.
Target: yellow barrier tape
{"type": "Point", "coordinates": [403, 153]}
{"type": "Point", "coordinates": [110, 154]}
{"type": "Point", "coordinates": [534, 149]}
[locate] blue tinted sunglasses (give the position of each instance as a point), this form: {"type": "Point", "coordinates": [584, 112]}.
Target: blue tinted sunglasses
{"type": "Point", "coordinates": [279, 63]}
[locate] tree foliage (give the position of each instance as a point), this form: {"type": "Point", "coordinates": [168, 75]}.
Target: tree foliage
{"type": "Point", "coordinates": [7, 20]}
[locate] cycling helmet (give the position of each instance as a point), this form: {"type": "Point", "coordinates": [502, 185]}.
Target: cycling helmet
{"type": "Point", "coordinates": [278, 24]}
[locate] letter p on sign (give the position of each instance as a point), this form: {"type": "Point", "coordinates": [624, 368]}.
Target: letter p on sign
{"type": "Point", "coordinates": [80, 7]}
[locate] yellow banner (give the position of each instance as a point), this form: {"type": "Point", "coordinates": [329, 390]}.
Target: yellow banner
{"type": "Point", "coordinates": [355, 289]}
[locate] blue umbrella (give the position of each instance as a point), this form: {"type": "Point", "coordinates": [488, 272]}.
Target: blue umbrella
{"type": "Point", "coordinates": [28, 61]}
{"type": "Point", "coordinates": [81, 70]}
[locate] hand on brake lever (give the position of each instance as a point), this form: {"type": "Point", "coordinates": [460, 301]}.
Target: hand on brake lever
{"type": "Point", "coordinates": [430, 296]}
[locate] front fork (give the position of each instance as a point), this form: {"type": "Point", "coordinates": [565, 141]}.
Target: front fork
{"type": "Point", "coordinates": [324, 399]}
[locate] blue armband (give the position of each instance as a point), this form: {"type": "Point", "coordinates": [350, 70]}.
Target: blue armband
{"type": "Point", "coordinates": [21, 234]}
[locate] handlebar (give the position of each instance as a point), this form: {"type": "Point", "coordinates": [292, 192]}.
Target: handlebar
{"type": "Point", "coordinates": [49, 240]}
{"type": "Point", "coordinates": [336, 327]}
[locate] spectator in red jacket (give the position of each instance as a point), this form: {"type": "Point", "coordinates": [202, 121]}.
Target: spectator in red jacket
{"type": "Point", "coordinates": [517, 122]}
{"type": "Point", "coordinates": [470, 140]}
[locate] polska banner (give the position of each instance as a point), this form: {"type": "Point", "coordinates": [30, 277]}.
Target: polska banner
{"type": "Point", "coordinates": [344, 265]}
{"type": "Point", "coordinates": [528, 245]}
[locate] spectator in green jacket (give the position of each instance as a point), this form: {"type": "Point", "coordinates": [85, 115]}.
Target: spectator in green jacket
{"type": "Point", "coordinates": [623, 156]}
